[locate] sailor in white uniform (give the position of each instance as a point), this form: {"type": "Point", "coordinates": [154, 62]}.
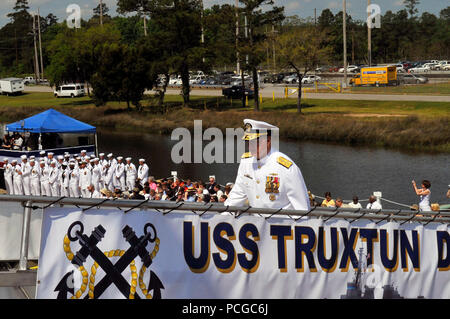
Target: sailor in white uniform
{"type": "Point", "coordinates": [74, 180]}
{"type": "Point", "coordinates": [96, 174]}
{"type": "Point", "coordinates": [17, 178]}
{"type": "Point", "coordinates": [131, 174]}
{"type": "Point", "coordinates": [142, 172]}
{"type": "Point", "coordinates": [53, 179]}
{"type": "Point", "coordinates": [266, 177]}
{"type": "Point", "coordinates": [45, 173]}
{"type": "Point", "coordinates": [25, 175]}
{"type": "Point", "coordinates": [35, 178]}
{"type": "Point", "coordinates": [64, 179]}
{"type": "Point", "coordinates": [8, 176]}
{"type": "Point", "coordinates": [85, 179]}
{"type": "Point", "coordinates": [119, 175]}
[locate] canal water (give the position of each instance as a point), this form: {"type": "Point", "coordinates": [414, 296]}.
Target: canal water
{"type": "Point", "coordinates": [342, 170]}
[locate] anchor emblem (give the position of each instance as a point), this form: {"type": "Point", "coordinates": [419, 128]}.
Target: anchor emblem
{"type": "Point", "coordinates": [113, 272]}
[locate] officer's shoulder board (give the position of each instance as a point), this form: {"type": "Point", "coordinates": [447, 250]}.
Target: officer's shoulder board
{"type": "Point", "coordinates": [284, 162]}
{"type": "Point", "coordinates": [247, 155]}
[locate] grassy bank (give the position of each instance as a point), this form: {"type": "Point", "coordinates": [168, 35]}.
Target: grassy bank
{"type": "Point", "coordinates": [420, 126]}
{"type": "Point", "coordinates": [421, 89]}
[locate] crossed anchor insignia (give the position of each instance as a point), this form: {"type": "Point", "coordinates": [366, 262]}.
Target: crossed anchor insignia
{"type": "Point", "coordinates": [113, 271]}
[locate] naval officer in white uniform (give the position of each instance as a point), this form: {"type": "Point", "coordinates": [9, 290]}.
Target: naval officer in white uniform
{"type": "Point", "coordinates": [266, 177]}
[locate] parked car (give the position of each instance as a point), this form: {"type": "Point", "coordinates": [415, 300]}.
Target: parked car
{"type": "Point", "coordinates": [420, 69]}
{"type": "Point", "coordinates": [237, 92]}
{"type": "Point", "coordinates": [29, 80]}
{"type": "Point", "coordinates": [69, 90]}
{"type": "Point", "coordinates": [290, 79]}
{"type": "Point", "coordinates": [197, 79]}
{"type": "Point", "coordinates": [175, 80]}
{"type": "Point", "coordinates": [274, 78]}
{"type": "Point", "coordinates": [399, 66]}
{"type": "Point", "coordinates": [412, 79]}
{"type": "Point", "coordinates": [350, 69]}
{"type": "Point", "coordinates": [447, 67]}
{"type": "Point", "coordinates": [310, 79]}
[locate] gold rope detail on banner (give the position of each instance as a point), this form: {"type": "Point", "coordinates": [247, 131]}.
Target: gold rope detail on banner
{"type": "Point", "coordinates": [84, 273]}
{"type": "Point", "coordinates": [143, 269]}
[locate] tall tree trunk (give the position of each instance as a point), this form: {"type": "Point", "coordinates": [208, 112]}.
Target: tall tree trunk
{"type": "Point", "coordinates": [185, 82]}
{"type": "Point", "coordinates": [255, 87]}
{"type": "Point", "coordinates": [299, 93]}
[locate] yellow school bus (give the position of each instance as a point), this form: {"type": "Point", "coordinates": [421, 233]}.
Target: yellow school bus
{"type": "Point", "coordinates": [380, 75]}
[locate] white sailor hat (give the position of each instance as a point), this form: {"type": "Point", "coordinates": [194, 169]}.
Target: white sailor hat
{"type": "Point", "coordinates": [86, 158]}
{"type": "Point", "coordinates": [254, 129]}
{"type": "Point", "coordinates": [77, 158]}
{"type": "Point", "coordinates": [50, 153]}
{"type": "Point", "coordinates": [83, 151]}
{"type": "Point", "coordinates": [92, 161]}
{"type": "Point", "coordinates": [42, 161]}
{"type": "Point", "coordinates": [64, 164]}
{"type": "Point", "coordinates": [119, 158]}
{"type": "Point", "coordinates": [60, 157]}
{"type": "Point", "coordinates": [66, 154]}
{"type": "Point", "coordinates": [110, 155]}
{"type": "Point", "coordinates": [5, 159]}
{"type": "Point", "coordinates": [32, 160]}
{"type": "Point", "coordinates": [42, 152]}
{"type": "Point", "coordinates": [53, 162]}
{"type": "Point", "coordinates": [92, 156]}
{"type": "Point", "coordinates": [141, 160]}
{"type": "Point", "coordinates": [96, 159]}
{"type": "Point", "coordinates": [32, 157]}
{"type": "Point", "coordinates": [23, 157]}
{"type": "Point", "coordinates": [14, 162]}
{"type": "Point", "coordinates": [101, 154]}
{"type": "Point", "coordinates": [75, 155]}
{"type": "Point", "coordinates": [128, 158]}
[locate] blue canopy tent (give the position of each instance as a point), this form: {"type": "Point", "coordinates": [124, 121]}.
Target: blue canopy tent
{"type": "Point", "coordinates": [50, 121]}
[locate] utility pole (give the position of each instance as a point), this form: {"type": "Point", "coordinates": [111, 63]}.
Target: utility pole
{"type": "Point", "coordinates": [40, 45]}
{"type": "Point", "coordinates": [344, 30]}
{"type": "Point", "coordinates": [101, 12]}
{"type": "Point", "coordinates": [36, 64]}
{"type": "Point", "coordinates": [369, 39]}
{"type": "Point", "coordinates": [203, 30]}
{"type": "Point", "coordinates": [238, 67]}
{"type": "Point", "coordinates": [273, 49]}
{"type": "Point", "coordinates": [315, 17]}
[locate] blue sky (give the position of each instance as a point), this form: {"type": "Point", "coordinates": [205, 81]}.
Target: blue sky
{"type": "Point", "coordinates": [302, 8]}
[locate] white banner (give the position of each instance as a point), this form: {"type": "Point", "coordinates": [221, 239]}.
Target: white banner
{"type": "Point", "coordinates": [105, 253]}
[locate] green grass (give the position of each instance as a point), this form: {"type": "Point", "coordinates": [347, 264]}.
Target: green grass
{"type": "Point", "coordinates": [420, 89]}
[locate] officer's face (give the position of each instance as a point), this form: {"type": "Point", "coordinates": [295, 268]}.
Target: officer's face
{"type": "Point", "coordinates": [260, 146]}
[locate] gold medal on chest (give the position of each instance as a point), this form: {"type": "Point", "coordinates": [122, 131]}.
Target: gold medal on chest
{"type": "Point", "coordinates": [272, 197]}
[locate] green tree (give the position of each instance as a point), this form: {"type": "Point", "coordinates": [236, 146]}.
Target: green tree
{"type": "Point", "coordinates": [302, 48]}
{"type": "Point", "coordinates": [252, 47]}
{"type": "Point", "coordinates": [411, 6]}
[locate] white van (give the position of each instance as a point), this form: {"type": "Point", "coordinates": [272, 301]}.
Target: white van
{"type": "Point", "coordinates": [69, 90]}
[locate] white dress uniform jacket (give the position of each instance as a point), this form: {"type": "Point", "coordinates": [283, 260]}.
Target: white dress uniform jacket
{"type": "Point", "coordinates": [131, 175]}
{"type": "Point", "coordinates": [45, 186]}
{"type": "Point", "coordinates": [85, 181]}
{"type": "Point", "coordinates": [272, 182]}
{"type": "Point", "coordinates": [143, 174]}
{"type": "Point", "coordinates": [9, 178]}
{"type": "Point", "coordinates": [17, 180]}
{"type": "Point", "coordinates": [53, 180]}
{"type": "Point", "coordinates": [74, 182]}
{"type": "Point", "coordinates": [26, 170]}
{"type": "Point", "coordinates": [35, 180]}
{"type": "Point", "coordinates": [119, 175]}
{"type": "Point", "coordinates": [96, 176]}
